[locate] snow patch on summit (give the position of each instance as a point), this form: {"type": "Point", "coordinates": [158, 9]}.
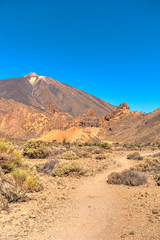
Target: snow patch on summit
{"type": "Point", "coordinates": [34, 77]}
{"type": "Point", "coordinates": [32, 80]}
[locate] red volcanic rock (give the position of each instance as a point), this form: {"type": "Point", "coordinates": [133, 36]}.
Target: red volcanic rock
{"type": "Point", "coordinates": [121, 111]}
{"type": "Point", "coordinates": [87, 120]}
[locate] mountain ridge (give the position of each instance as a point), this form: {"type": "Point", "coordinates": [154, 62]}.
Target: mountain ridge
{"type": "Point", "coordinates": [36, 91]}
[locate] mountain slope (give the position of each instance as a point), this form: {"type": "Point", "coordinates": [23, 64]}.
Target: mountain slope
{"type": "Point", "coordinates": [127, 126]}
{"type": "Point", "coordinates": [36, 91]}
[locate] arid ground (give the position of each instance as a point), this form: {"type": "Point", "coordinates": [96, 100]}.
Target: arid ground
{"type": "Point", "coordinates": [87, 207]}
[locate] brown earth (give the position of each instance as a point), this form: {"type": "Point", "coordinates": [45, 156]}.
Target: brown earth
{"type": "Point", "coordinates": [87, 208]}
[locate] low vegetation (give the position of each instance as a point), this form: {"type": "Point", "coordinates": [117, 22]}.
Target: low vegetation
{"type": "Point", "coordinates": [157, 179]}
{"type": "Point", "coordinates": [98, 151]}
{"type": "Point", "coordinates": [15, 177]}
{"type": "Point", "coordinates": [134, 156]}
{"type": "Point", "coordinates": [10, 158]}
{"type": "Point", "coordinates": [149, 165]}
{"type": "Point", "coordinates": [104, 145]}
{"type": "Point", "coordinates": [36, 149]}
{"type": "Point", "coordinates": [9, 191]}
{"type": "Point", "coordinates": [127, 177]}
{"type": "Point", "coordinates": [69, 155]}
{"type": "Point", "coordinates": [68, 168]}
{"type": "Point", "coordinates": [26, 180]}
{"type": "Point", "coordinates": [84, 154]}
{"type": "Point", "coordinates": [100, 156]}
{"type": "Point", "coordinates": [140, 146]}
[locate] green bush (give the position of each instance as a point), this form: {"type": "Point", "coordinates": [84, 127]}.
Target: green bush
{"type": "Point", "coordinates": [68, 168]}
{"type": "Point", "coordinates": [35, 149]}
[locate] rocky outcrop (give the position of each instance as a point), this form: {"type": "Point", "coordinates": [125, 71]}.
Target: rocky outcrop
{"type": "Point", "coordinates": [23, 122]}
{"type": "Point", "coordinates": [19, 121]}
{"type": "Point", "coordinates": [87, 120]}
{"type": "Point", "coordinates": [121, 111]}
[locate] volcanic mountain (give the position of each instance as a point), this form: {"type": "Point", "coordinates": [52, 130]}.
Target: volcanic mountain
{"type": "Point", "coordinates": [37, 91]}
{"type": "Point", "coordinates": [41, 107]}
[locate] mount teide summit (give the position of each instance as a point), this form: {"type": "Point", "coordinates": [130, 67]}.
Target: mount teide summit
{"type": "Point", "coordinates": [37, 91]}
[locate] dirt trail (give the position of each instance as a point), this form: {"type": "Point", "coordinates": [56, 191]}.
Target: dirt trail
{"type": "Point", "coordinates": [96, 215]}
{"type": "Point", "coordinates": [87, 209]}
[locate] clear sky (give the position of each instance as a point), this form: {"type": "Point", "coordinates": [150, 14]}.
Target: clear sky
{"type": "Point", "coordinates": [110, 48]}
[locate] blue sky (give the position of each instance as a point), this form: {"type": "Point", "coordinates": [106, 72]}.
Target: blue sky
{"type": "Point", "coordinates": [110, 49]}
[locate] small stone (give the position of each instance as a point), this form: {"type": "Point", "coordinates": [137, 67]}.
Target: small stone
{"type": "Point", "coordinates": [124, 236]}
{"type": "Point", "coordinates": [155, 212]}
{"type": "Point", "coordinates": [150, 220]}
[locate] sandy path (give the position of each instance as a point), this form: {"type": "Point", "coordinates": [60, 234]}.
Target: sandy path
{"type": "Point", "coordinates": [91, 209]}
{"type": "Point", "coordinates": [96, 216]}
{"type": "Point", "coordinates": [99, 207]}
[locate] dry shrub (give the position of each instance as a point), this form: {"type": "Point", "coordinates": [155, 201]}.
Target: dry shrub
{"type": "Point", "coordinates": [87, 144]}
{"type": "Point", "coordinates": [149, 165]}
{"type": "Point", "coordinates": [36, 149]}
{"type": "Point", "coordinates": [157, 179]}
{"type": "Point", "coordinates": [69, 155]}
{"type": "Point", "coordinates": [9, 191]}
{"type": "Point", "coordinates": [26, 181]}
{"type": "Point", "coordinates": [100, 156]}
{"type": "Point", "coordinates": [10, 158]}
{"type": "Point", "coordinates": [127, 177]}
{"type": "Point", "coordinates": [68, 168]}
{"type": "Point", "coordinates": [14, 187]}
{"type": "Point", "coordinates": [134, 156]}
{"type": "Point", "coordinates": [104, 145]}
{"type": "Point", "coordinates": [84, 154]}
{"type": "Point", "coordinates": [156, 155]}
{"type": "Point", "coordinates": [97, 151]}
